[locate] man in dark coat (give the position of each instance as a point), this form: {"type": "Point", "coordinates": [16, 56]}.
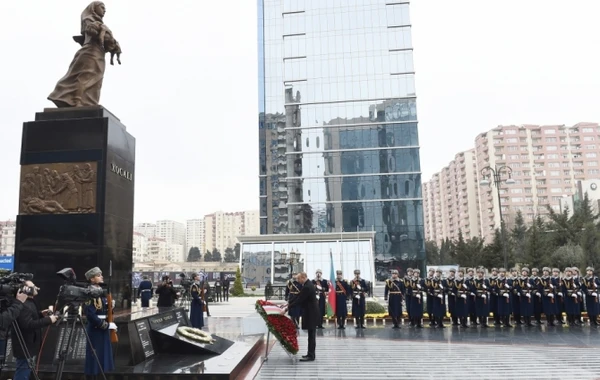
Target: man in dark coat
{"type": "Point", "coordinates": [225, 289]}
{"type": "Point", "coordinates": [166, 293]}
{"type": "Point", "coordinates": [12, 310]}
{"type": "Point", "coordinates": [30, 322]}
{"type": "Point", "coordinates": [307, 301]}
{"type": "Point", "coordinates": [145, 290]}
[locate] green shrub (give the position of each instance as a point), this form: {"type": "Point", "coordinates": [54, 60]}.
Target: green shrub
{"type": "Point", "coordinates": [238, 288]}
{"type": "Point", "coordinates": [374, 308]}
{"type": "Point", "coordinates": [253, 288]}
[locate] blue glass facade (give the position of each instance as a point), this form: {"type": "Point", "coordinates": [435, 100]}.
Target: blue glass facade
{"type": "Point", "coordinates": [339, 146]}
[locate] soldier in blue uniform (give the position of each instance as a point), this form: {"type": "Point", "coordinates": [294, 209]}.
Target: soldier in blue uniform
{"type": "Point", "coordinates": [430, 296]}
{"type": "Point", "coordinates": [461, 292]}
{"type": "Point", "coordinates": [394, 289]}
{"type": "Point", "coordinates": [292, 290]}
{"type": "Point", "coordinates": [322, 290]}
{"type": "Point", "coordinates": [359, 290]}
{"type": "Point", "coordinates": [494, 296]}
{"type": "Point", "coordinates": [504, 290]}
{"type": "Point", "coordinates": [524, 287]}
{"type": "Point", "coordinates": [515, 296]}
{"type": "Point", "coordinates": [342, 291]}
{"type": "Point", "coordinates": [571, 298]}
{"type": "Point", "coordinates": [197, 304]}
{"type": "Point", "coordinates": [589, 287]}
{"type": "Point", "coordinates": [480, 287]}
{"type": "Point", "coordinates": [449, 285]}
{"type": "Point", "coordinates": [407, 297]}
{"type": "Point", "coordinates": [471, 298]}
{"type": "Point", "coordinates": [98, 329]}
{"type": "Point", "coordinates": [415, 290]}
{"type": "Point", "coordinates": [548, 295]}
{"type": "Point", "coordinates": [556, 281]}
{"type": "Point", "coordinates": [145, 291]}
{"type": "Point", "coordinates": [577, 278]}
{"type": "Point", "coordinates": [438, 292]}
{"type": "Point", "coordinates": [536, 297]}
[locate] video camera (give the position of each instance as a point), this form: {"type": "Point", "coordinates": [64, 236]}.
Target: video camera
{"type": "Point", "coordinates": [11, 283]}
{"type": "Point", "coordinates": [185, 282]}
{"type": "Point", "coordinates": [74, 293]}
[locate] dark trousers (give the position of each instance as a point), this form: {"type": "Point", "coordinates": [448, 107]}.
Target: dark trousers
{"type": "Point", "coordinates": [312, 342]}
{"type": "Point", "coordinates": [225, 294]}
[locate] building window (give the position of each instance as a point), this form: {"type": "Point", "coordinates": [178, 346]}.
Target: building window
{"type": "Point", "coordinates": [587, 130]}
{"type": "Point", "coordinates": [549, 131]}
{"type": "Point", "coordinates": [590, 155]}
{"type": "Point", "coordinates": [551, 147]}
{"type": "Point", "coordinates": [556, 190]}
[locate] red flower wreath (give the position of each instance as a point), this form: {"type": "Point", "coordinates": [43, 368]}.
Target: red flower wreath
{"type": "Point", "coordinates": [282, 327]}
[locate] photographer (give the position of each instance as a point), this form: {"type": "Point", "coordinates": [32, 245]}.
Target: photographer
{"type": "Point", "coordinates": [8, 316]}
{"type": "Point", "coordinates": [166, 293]}
{"type": "Point", "coordinates": [30, 322]}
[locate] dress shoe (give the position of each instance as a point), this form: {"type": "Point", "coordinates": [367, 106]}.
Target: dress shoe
{"type": "Point", "coordinates": [362, 327]}
{"type": "Point", "coordinates": [307, 359]}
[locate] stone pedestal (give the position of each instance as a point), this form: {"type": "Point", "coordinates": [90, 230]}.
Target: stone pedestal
{"type": "Point", "coordinates": [76, 199]}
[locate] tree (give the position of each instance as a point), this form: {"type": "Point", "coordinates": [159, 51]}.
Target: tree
{"type": "Point", "coordinates": [569, 255]}
{"type": "Point", "coordinates": [208, 256]}
{"type": "Point", "coordinates": [194, 254]}
{"type": "Point", "coordinates": [229, 256]}
{"type": "Point", "coordinates": [432, 253]}
{"type": "Point", "coordinates": [518, 238]}
{"type": "Point", "coordinates": [589, 242]}
{"type": "Point", "coordinates": [448, 251]}
{"type": "Point", "coordinates": [238, 287]}
{"type": "Point", "coordinates": [493, 255]}
{"type": "Point", "coordinates": [236, 251]}
{"type": "Point", "coordinates": [536, 250]}
{"type": "Point", "coordinates": [216, 255]}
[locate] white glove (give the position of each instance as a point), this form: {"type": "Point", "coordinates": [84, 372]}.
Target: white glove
{"type": "Point", "coordinates": [464, 286]}
{"type": "Point", "coordinates": [484, 296]}
{"type": "Point", "coordinates": [418, 296]}
{"type": "Point", "coordinates": [538, 294]}
{"type": "Point", "coordinates": [418, 286]}
{"type": "Point", "coordinates": [551, 295]}
{"type": "Point", "coordinates": [551, 286]}
{"type": "Point", "coordinates": [594, 294]}
{"type": "Point", "coordinates": [574, 295]}
{"type": "Point", "coordinates": [440, 296]}
{"type": "Point", "coordinates": [463, 296]}
{"type": "Point", "coordinates": [560, 294]}
{"type": "Point", "coordinates": [112, 326]}
{"type": "Point", "coordinates": [485, 287]}
{"type": "Point", "coordinates": [472, 293]}
{"type": "Point", "coordinates": [579, 294]}
{"type": "Point", "coordinates": [528, 295]}
{"type": "Point", "coordinates": [506, 286]}
{"type": "Point", "coordinates": [506, 295]}
{"type": "Point", "coordinates": [528, 285]}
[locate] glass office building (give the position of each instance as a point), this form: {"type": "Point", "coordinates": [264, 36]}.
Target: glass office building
{"type": "Point", "coordinates": [338, 145]}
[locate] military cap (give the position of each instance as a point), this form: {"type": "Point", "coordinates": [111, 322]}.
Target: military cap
{"type": "Point", "coordinates": [575, 269]}
{"type": "Point", "coordinates": [431, 270]}
{"type": "Point", "coordinates": [338, 272]}
{"type": "Point", "coordinates": [357, 271]}
{"type": "Point", "coordinates": [555, 270]}
{"type": "Point", "coordinates": [409, 270]}
{"type": "Point", "coordinates": [494, 269]}
{"type": "Point", "coordinates": [416, 271]}
{"type": "Point", "coordinates": [480, 270]}
{"type": "Point", "coordinates": [546, 269]}
{"type": "Point", "coordinates": [452, 270]}
{"type": "Point", "coordinates": [438, 271]}
{"type": "Point", "coordinates": [93, 273]}
{"type": "Point", "coordinates": [525, 269]}
{"type": "Point", "coordinates": [568, 270]}
{"type": "Point", "coordinates": [471, 270]}
{"type": "Point", "coordinates": [589, 268]}
{"type": "Point", "coordinates": [534, 270]}
{"type": "Point", "coordinates": [394, 271]}
{"type": "Point", "coordinates": [319, 271]}
{"type": "Point", "coordinates": [145, 277]}
{"type": "Point", "coordinates": [501, 270]}
{"type": "Point", "coordinates": [513, 269]}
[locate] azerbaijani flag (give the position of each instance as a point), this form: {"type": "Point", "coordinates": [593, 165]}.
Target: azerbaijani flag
{"type": "Point", "coordinates": [331, 297]}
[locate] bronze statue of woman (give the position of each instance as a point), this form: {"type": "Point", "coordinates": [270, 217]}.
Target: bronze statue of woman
{"type": "Point", "coordinates": [82, 84]}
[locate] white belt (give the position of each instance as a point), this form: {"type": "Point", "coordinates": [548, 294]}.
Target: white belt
{"type": "Point", "coordinates": [102, 317]}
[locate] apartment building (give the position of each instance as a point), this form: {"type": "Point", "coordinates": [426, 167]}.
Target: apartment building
{"type": "Point", "coordinates": [222, 228]}
{"type": "Point", "coordinates": [140, 248]}
{"type": "Point", "coordinates": [7, 238]}
{"type": "Point", "coordinates": [195, 234]}
{"type": "Point", "coordinates": [173, 232]}
{"type": "Point", "coordinates": [546, 163]}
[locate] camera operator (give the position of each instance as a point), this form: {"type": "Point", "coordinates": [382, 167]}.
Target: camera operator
{"type": "Point", "coordinates": [166, 293]}
{"type": "Point", "coordinates": [30, 322]}
{"type": "Point", "coordinates": [8, 316]}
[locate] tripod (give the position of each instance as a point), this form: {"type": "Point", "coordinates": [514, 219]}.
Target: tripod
{"type": "Point", "coordinates": [72, 320]}
{"type": "Point", "coordinates": [185, 300]}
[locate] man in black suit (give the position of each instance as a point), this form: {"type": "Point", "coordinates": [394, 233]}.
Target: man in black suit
{"type": "Point", "coordinates": [307, 301]}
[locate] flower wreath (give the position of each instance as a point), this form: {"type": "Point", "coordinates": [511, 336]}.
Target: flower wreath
{"type": "Point", "coordinates": [282, 327]}
{"type": "Point", "coordinates": [195, 334]}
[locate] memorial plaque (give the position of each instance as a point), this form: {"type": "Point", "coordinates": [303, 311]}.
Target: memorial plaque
{"type": "Point", "coordinates": [163, 320]}
{"type": "Point", "coordinates": [181, 316]}
{"type": "Point", "coordinates": [76, 351]}
{"type": "Point", "coordinates": [143, 330]}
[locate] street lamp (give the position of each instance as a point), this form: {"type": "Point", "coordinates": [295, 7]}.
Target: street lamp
{"type": "Point", "coordinates": [496, 177]}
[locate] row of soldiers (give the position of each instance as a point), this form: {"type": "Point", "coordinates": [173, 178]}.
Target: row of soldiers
{"type": "Point", "coordinates": [357, 289]}
{"type": "Point", "coordinates": [472, 295]}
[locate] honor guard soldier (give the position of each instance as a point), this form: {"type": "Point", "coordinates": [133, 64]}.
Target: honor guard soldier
{"type": "Point", "coordinates": [342, 290]}
{"type": "Point", "coordinates": [197, 303]}
{"type": "Point", "coordinates": [571, 298]}
{"type": "Point", "coordinates": [145, 291]}
{"type": "Point", "coordinates": [494, 296]}
{"type": "Point", "coordinates": [439, 299]}
{"type": "Point", "coordinates": [322, 289]}
{"type": "Point", "coordinates": [480, 287]}
{"type": "Point", "coordinates": [462, 292]}
{"type": "Point", "coordinates": [430, 296]}
{"type": "Point", "coordinates": [416, 289]}
{"type": "Point", "coordinates": [359, 289]}
{"type": "Point", "coordinates": [547, 290]}
{"type": "Point", "coordinates": [504, 290]}
{"type": "Point", "coordinates": [98, 328]}
{"type": "Point", "coordinates": [292, 290]}
{"type": "Point", "coordinates": [471, 299]}
{"type": "Point", "coordinates": [394, 289]}
{"type": "Point", "coordinates": [559, 299]}
{"type": "Point", "coordinates": [407, 280]}
{"type": "Point", "coordinates": [523, 287]}
{"type": "Point", "coordinates": [450, 285]}
{"type": "Point", "coordinates": [536, 298]}
{"type": "Point", "coordinates": [589, 287]}
{"type": "Point", "coordinates": [577, 278]}
{"type": "Point", "coordinates": [515, 296]}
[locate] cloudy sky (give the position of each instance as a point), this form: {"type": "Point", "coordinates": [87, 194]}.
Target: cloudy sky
{"type": "Point", "coordinates": [187, 89]}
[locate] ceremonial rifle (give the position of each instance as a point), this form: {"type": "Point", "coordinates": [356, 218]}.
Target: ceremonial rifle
{"type": "Point", "coordinates": [114, 338]}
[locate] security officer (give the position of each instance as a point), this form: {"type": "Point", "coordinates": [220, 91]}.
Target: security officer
{"type": "Point", "coordinates": [589, 287]}
{"type": "Point", "coordinates": [342, 291]}
{"type": "Point", "coordinates": [394, 289]}
{"type": "Point", "coordinates": [450, 286]}
{"type": "Point", "coordinates": [145, 290]}
{"type": "Point", "coordinates": [322, 290]}
{"type": "Point", "coordinates": [359, 290]}
{"type": "Point", "coordinates": [292, 290]}
{"type": "Point", "coordinates": [407, 298]}
{"type": "Point", "coordinates": [218, 291]}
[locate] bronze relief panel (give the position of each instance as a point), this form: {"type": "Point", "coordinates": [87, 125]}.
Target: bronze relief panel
{"type": "Point", "coordinates": [58, 188]}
